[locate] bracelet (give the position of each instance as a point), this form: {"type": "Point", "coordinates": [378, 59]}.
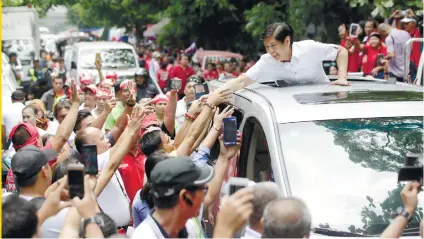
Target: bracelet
{"type": "Point", "coordinates": [208, 105]}
{"type": "Point", "coordinates": [189, 117]}
{"type": "Point", "coordinates": [130, 104]}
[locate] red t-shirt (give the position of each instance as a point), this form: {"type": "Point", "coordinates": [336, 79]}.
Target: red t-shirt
{"type": "Point", "coordinates": [416, 47]}
{"type": "Point", "coordinates": [10, 178]}
{"type": "Point", "coordinates": [163, 78]}
{"type": "Point", "coordinates": [371, 56]}
{"type": "Point", "coordinates": [353, 58]}
{"type": "Point", "coordinates": [210, 75]}
{"type": "Point", "coordinates": [183, 74]}
{"type": "Point", "coordinates": [132, 173]}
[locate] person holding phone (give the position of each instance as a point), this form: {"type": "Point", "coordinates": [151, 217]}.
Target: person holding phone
{"type": "Point", "coordinates": [292, 62]}
{"type": "Point", "coordinates": [347, 41]}
{"type": "Point", "coordinates": [374, 54]}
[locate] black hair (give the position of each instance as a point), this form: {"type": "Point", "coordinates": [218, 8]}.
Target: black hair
{"type": "Point", "coordinates": [45, 138]}
{"type": "Point", "coordinates": [19, 218]}
{"type": "Point", "coordinates": [374, 22]}
{"type": "Point", "coordinates": [21, 136]}
{"type": "Point", "coordinates": [278, 30]}
{"type": "Point", "coordinates": [171, 60]}
{"type": "Point", "coordinates": [62, 104]}
{"type": "Point", "coordinates": [34, 110]}
{"type": "Point", "coordinates": [82, 114]}
{"type": "Point", "coordinates": [164, 65]}
{"type": "Point", "coordinates": [150, 142]}
{"type": "Point", "coordinates": [38, 202]}
{"type": "Point", "coordinates": [12, 54]}
{"type": "Point", "coordinates": [151, 161]}
{"type": "Point", "coordinates": [61, 169]}
{"type": "Point", "coordinates": [108, 226]}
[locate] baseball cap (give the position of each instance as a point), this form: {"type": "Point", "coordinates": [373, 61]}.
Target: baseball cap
{"type": "Point", "coordinates": [170, 176]}
{"type": "Point", "coordinates": [29, 160]}
{"type": "Point", "coordinates": [407, 20]}
{"type": "Point", "coordinates": [91, 88]}
{"type": "Point", "coordinates": [18, 95]}
{"type": "Point", "coordinates": [160, 98]}
{"type": "Point", "coordinates": [148, 120]}
{"type": "Point", "coordinates": [86, 80]}
{"type": "Point", "coordinates": [103, 93]}
{"type": "Point", "coordinates": [124, 84]}
{"type": "Point", "coordinates": [107, 83]}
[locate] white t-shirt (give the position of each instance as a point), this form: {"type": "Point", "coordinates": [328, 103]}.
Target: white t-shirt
{"type": "Point", "coordinates": [53, 127]}
{"type": "Point", "coordinates": [41, 132]}
{"type": "Point", "coordinates": [53, 225]}
{"type": "Point", "coordinates": [181, 111]}
{"type": "Point", "coordinates": [12, 116]}
{"type": "Point", "coordinates": [114, 200]}
{"type": "Point", "coordinates": [305, 65]}
{"type": "Point", "coordinates": [149, 229]}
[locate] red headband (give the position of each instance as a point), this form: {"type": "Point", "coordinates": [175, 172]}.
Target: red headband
{"type": "Point", "coordinates": [32, 130]}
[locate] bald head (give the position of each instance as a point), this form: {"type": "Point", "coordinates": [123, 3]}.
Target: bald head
{"type": "Point", "coordinates": [286, 218]}
{"type": "Point", "coordinates": [384, 29]}
{"type": "Point", "coordinates": [264, 193]}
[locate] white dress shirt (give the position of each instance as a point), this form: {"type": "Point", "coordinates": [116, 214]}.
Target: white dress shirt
{"type": "Point", "coordinates": [305, 65]}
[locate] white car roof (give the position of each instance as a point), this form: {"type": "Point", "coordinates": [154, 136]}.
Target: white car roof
{"type": "Point", "coordinates": [103, 44]}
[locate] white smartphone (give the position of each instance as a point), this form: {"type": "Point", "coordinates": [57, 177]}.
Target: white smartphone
{"type": "Point", "coordinates": [112, 92]}
{"type": "Point", "coordinates": [353, 31]}
{"type": "Point", "coordinates": [234, 184]}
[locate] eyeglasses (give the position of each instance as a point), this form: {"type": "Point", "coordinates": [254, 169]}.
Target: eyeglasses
{"type": "Point", "coordinates": [195, 188]}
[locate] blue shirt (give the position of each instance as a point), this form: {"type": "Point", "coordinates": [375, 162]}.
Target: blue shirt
{"type": "Point", "coordinates": [140, 209]}
{"type": "Point", "coordinates": [202, 155]}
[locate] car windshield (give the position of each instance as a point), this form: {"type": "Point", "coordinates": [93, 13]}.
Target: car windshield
{"type": "Point", "coordinates": [346, 170]}
{"type": "Point", "coordinates": [111, 58]}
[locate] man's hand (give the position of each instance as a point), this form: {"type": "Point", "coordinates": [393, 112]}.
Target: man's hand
{"type": "Point", "coordinates": [75, 98]}
{"type": "Point", "coordinates": [229, 151]}
{"type": "Point", "coordinates": [110, 104]}
{"type": "Point", "coordinates": [219, 117]}
{"type": "Point", "coordinates": [137, 116]}
{"type": "Point", "coordinates": [341, 81]}
{"type": "Point", "coordinates": [53, 203]}
{"type": "Point", "coordinates": [195, 108]}
{"type": "Point", "coordinates": [409, 196]}
{"type": "Point", "coordinates": [396, 14]}
{"type": "Point", "coordinates": [234, 212]}
{"type": "Point", "coordinates": [145, 102]}
{"type": "Point", "coordinates": [374, 72]}
{"type": "Point", "coordinates": [219, 96]}
{"type": "Point", "coordinates": [87, 206]}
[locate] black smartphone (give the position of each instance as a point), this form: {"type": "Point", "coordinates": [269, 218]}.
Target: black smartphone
{"type": "Point", "coordinates": [200, 90]}
{"type": "Point", "coordinates": [176, 84]}
{"type": "Point", "coordinates": [230, 131]}
{"type": "Point", "coordinates": [189, 105]}
{"type": "Point", "coordinates": [379, 59]}
{"type": "Point", "coordinates": [89, 156]}
{"type": "Point", "coordinates": [76, 180]}
{"type": "Point", "coordinates": [353, 31]}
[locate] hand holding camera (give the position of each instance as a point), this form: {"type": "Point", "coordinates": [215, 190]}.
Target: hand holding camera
{"type": "Point", "coordinates": [87, 205]}
{"type": "Point", "coordinates": [409, 196]}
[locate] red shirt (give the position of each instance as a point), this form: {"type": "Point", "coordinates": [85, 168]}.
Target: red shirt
{"type": "Point", "coordinates": [132, 173]}
{"type": "Point", "coordinates": [163, 78]}
{"type": "Point", "coordinates": [416, 47]}
{"type": "Point", "coordinates": [353, 58]}
{"type": "Point", "coordinates": [371, 56]}
{"type": "Point", "coordinates": [169, 67]}
{"type": "Point", "coordinates": [183, 74]}
{"type": "Point", "coordinates": [210, 75]}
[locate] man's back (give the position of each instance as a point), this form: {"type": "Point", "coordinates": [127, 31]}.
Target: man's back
{"type": "Point", "coordinates": [396, 43]}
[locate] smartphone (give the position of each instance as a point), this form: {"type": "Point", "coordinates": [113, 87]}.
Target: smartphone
{"type": "Point", "coordinates": [199, 89]}
{"type": "Point", "coordinates": [176, 84]}
{"type": "Point", "coordinates": [76, 180]}
{"type": "Point", "coordinates": [230, 131]}
{"type": "Point", "coordinates": [353, 31]}
{"type": "Point", "coordinates": [112, 92]}
{"type": "Point", "coordinates": [89, 156]}
{"type": "Point", "coordinates": [235, 184]}
{"type": "Point", "coordinates": [379, 59]}
{"type": "Point", "coordinates": [403, 12]}
{"type": "Point", "coordinates": [189, 105]}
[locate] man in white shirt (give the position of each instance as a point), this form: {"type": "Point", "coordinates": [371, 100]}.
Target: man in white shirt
{"type": "Point", "coordinates": [264, 193]}
{"type": "Point", "coordinates": [189, 97]}
{"type": "Point", "coordinates": [288, 62]}
{"type": "Point", "coordinates": [154, 66]}
{"type": "Point", "coordinates": [13, 115]}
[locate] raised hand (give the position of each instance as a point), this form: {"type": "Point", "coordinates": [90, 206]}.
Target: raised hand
{"type": "Point", "coordinates": [229, 151]}
{"type": "Point", "coordinates": [110, 104]}
{"type": "Point", "coordinates": [87, 206]}
{"type": "Point", "coordinates": [219, 117]}
{"type": "Point", "coordinates": [75, 98]}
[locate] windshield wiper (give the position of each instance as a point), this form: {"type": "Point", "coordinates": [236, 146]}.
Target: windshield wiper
{"type": "Point", "coordinates": [336, 233]}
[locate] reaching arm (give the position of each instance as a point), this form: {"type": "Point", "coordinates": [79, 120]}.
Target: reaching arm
{"type": "Point", "coordinates": [170, 111]}
{"type": "Point", "coordinates": [72, 224]}
{"type": "Point", "coordinates": [201, 136]}
{"type": "Point", "coordinates": [67, 125]}
{"type": "Point", "coordinates": [194, 110]}
{"type": "Point", "coordinates": [342, 58]}
{"type": "Point", "coordinates": [238, 83]}
{"type": "Point", "coordinates": [100, 121]}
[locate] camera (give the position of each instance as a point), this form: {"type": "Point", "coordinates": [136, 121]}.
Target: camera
{"type": "Point", "coordinates": [412, 169]}
{"type": "Point", "coordinates": [234, 184]}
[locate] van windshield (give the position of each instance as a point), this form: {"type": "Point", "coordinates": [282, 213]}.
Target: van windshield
{"type": "Point", "coordinates": [111, 58]}
{"type": "Point", "coordinates": [346, 170]}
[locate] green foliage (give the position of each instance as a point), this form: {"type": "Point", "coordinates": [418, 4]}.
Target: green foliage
{"type": "Point", "coordinates": [385, 8]}
{"type": "Point", "coordinates": [260, 16]}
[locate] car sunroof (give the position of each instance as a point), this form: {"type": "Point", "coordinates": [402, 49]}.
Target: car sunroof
{"type": "Point", "coordinates": [357, 97]}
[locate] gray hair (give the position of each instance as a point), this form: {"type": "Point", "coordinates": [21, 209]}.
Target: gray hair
{"type": "Point", "coordinates": [264, 193]}
{"type": "Point", "coordinates": [286, 218]}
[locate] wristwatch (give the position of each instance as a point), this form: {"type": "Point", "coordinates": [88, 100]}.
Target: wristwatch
{"type": "Point", "coordinates": [402, 212]}
{"type": "Point", "coordinates": [94, 219]}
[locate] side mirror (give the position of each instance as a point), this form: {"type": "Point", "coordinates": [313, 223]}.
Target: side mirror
{"type": "Point", "coordinates": [73, 65]}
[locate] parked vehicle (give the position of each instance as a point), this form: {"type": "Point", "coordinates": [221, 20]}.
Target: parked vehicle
{"type": "Point", "coordinates": [204, 57]}
{"type": "Point", "coordinates": [337, 148]}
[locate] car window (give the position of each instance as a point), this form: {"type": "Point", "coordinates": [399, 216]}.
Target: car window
{"type": "Point", "coordinates": [346, 170]}
{"type": "Point", "coordinates": [111, 58]}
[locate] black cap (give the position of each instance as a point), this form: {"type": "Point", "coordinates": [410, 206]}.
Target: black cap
{"type": "Point", "coordinates": [18, 95]}
{"type": "Point", "coordinates": [171, 175]}
{"type": "Point", "coordinates": [29, 160]}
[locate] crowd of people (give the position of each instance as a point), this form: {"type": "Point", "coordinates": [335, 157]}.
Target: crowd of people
{"type": "Point", "coordinates": [377, 40]}
{"type": "Point", "coordinates": [156, 176]}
